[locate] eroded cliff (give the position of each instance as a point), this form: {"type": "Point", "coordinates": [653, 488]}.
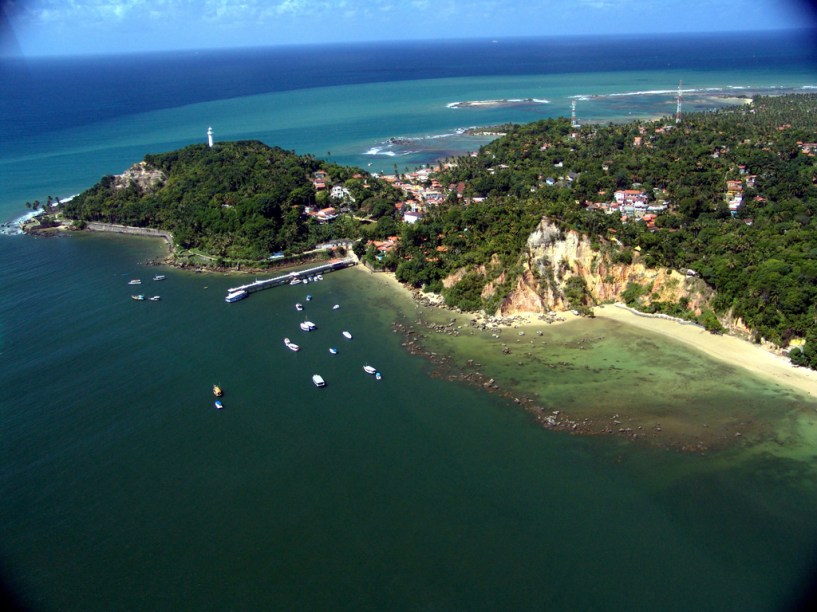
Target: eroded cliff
{"type": "Point", "coordinates": [552, 258]}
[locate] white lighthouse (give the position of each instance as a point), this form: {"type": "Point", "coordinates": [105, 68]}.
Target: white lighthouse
{"type": "Point", "coordinates": [210, 137]}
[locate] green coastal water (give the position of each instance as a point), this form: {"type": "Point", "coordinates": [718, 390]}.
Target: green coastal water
{"type": "Point", "coordinates": [123, 487]}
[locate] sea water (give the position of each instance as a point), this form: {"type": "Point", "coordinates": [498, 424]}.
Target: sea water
{"type": "Point", "coordinates": [123, 486]}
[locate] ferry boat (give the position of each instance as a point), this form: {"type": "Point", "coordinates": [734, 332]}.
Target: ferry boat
{"type": "Point", "coordinates": [318, 380]}
{"type": "Point", "coordinates": [135, 281]}
{"type": "Point", "coordinates": [347, 335]}
{"type": "Point", "coordinates": [155, 298]}
{"type": "Point", "coordinates": [234, 296]}
{"type": "Point", "coordinates": [291, 345]}
{"type": "Point", "coordinates": [219, 405]}
{"type": "Point", "coordinates": [138, 298]}
{"type": "Point", "coordinates": [159, 277]}
{"type": "Point", "coordinates": [217, 391]}
{"type": "Point", "coordinates": [369, 369]}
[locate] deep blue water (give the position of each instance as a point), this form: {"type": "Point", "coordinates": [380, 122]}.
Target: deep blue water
{"type": "Point", "coordinates": [121, 487]}
{"type": "Point", "coordinates": [43, 94]}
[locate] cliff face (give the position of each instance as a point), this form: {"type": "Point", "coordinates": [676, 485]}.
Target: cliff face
{"type": "Point", "coordinates": [146, 178]}
{"type": "Point", "coordinates": [552, 258]}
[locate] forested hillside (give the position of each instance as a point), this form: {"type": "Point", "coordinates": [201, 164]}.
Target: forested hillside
{"type": "Point", "coordinates": [237, 200]}
{"type": "Point", "coordinates": [761, 257]}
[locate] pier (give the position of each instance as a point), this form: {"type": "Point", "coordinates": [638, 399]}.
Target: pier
{"type": "Point", "coordinates": [287, 279]}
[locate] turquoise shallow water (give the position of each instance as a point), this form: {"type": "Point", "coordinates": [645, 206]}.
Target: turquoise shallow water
{"type": "Point", "coordinates": [122, 487]}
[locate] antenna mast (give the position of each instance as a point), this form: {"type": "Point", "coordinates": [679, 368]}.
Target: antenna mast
{"type": "Point", "coordinates": [680, 102]}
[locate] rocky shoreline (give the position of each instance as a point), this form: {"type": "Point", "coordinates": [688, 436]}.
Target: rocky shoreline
{"type": "Point", "coordinates": [553, 418]}
{"type": "Point", "coordinates": [545, 416]}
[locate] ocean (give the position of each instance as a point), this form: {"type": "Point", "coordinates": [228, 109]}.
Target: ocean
{"type": "Point", "coordinates": [121, 486]}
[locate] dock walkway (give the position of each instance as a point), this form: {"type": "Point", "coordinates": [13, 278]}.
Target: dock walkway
{"type": "Point", "coordinates": [287, 279]}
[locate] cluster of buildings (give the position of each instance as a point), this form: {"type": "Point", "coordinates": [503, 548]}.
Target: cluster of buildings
{"type": "Point", "coordinates": [735, 189]}
{"type": "Point", "coordinates": [338, 193]}
{"type": "Point", "coordinates": [632, 205]}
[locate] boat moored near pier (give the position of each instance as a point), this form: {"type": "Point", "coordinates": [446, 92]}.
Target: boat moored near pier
{"type": "Point", "coordinates": [234, 296]}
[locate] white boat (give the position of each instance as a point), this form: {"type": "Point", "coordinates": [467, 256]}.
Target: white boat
{"type": "Point", "coordinates": [135, 281]}
{"type": "Point", "coordinates": [318, 380]}
{"type": "Point", "coordinates": [369, 369]}
{"type": "Point", "coordinates": [159, 277]}
{"type": "Point", "coordinates": [295, 281]}
{"type": "Point", "coordinates": [347, 335]}
{"type": "Point", "coordinates": [155, 298]}
{"type": "Point", "coordinates": [138, 298]}
{"type": "Point", "coordinates": [333, 350]}
{"type": "Point", "coordinates": [378, 375]}
{"type": "Point", "coordinates": [308, 326]}
{"type": "Point", "coordinates": [299, 306]}
{"type": "Point", "coordinates": [219, 405]}
{"type": "Point", "coordinates": [291, 345]}
{"type": "Point", "coordinates": [308, 297]}
{"type": "Point", "coordinates": [306, 281]}
{"type": "Point", "coordinates": [336, 306]}
{"type": "Point", "coordinates": [234, 296]}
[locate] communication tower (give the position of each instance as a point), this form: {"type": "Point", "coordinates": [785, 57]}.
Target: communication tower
{"type": "Point", "coordinates": [573, 122]}
{"type": "Point", "coordinates": [678, 106]}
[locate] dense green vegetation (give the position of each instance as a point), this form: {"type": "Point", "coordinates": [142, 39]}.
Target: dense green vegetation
{"type": "Point", "coordinates": [762, 261]}
{"type": "Point", "coordinates": [239, 201]}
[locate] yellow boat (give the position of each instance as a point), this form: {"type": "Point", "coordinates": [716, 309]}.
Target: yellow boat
{"type": "Point", "coordinates": [217, 391]}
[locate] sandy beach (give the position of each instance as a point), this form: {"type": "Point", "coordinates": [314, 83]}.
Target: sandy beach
{"type": "Point", "coordinates": [730, 349]}
{"type": "Point", "coordinates": [733, 350]}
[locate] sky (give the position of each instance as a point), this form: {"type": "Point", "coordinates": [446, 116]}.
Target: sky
{"type": "Point", "coordinates": [79, 27]}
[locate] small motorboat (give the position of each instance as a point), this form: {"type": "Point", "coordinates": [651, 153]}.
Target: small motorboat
{"type": "Point", "coordinates": [291, 345]}
{"type": "Point", "coordinates": [155, 298]}
{"type": "Point", "coordinates": [219, 405]}
{"type": "Point", "coordinates": [333, 350]}
{"type": "Point", "coordinates": [299, 306]}
{"type": "Point", "coordinates": [308, 297]}
{"type": "Point", "coordinates": [159, 277]}
{"type": "Point", "coordinates": [318, 380]}
{"type": "Point", "coordinates": [138, 298]}
{"type": "Point", "coordinates": [135, 281]}
{"type": "Point", "coordinates": [308, 326]}
{"type": "Point", "coordinates": [336, 306]}
{"type": "Point", "coordinates": [369, 369]}
{"type": "Point", "coordinates": [347, 335]}
{"type": "Point", "coordinates": [378, 375]}
{"type": "Point", "coordinates": [217, 391]}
